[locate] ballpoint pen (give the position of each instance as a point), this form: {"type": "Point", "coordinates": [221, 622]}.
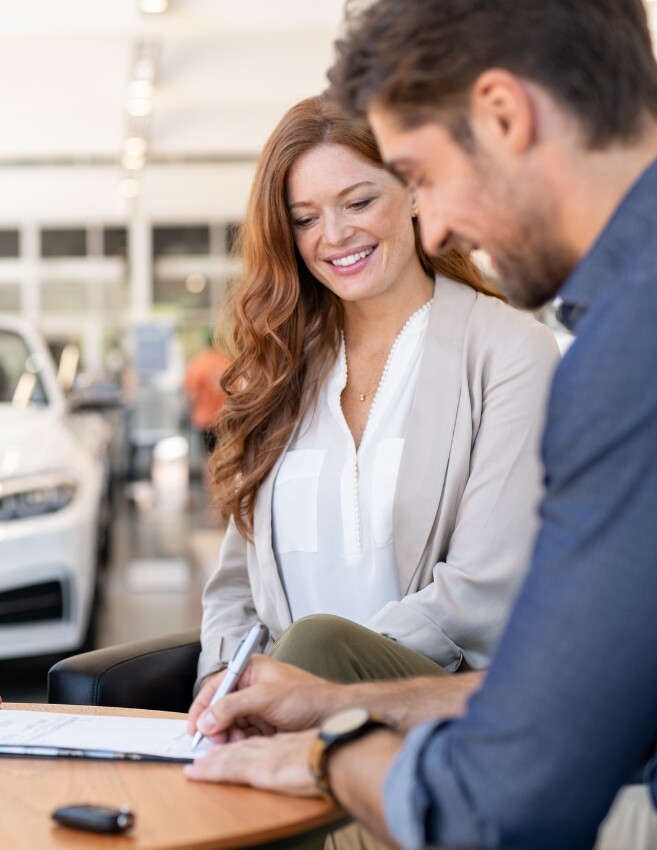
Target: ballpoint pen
{"type": "Point", "coordinates": [249, 643]}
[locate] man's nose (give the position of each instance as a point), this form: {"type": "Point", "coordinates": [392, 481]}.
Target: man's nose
{"type": "Point", "coordinates": [434, 232]}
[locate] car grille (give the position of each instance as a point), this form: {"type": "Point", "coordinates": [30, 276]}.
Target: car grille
{"type": "Point", "coordinates": [32, 604]}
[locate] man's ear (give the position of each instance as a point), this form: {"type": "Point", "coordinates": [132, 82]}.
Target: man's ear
{"type": "Point", "coordinates": [502, 111]}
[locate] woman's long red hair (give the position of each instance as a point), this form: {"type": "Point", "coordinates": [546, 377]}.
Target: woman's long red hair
{"type": "Point", "coordinates": [284, 325]}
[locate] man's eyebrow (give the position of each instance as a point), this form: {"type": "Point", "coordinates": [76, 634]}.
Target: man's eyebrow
{"type": "Point", "coordinates": [341, 194]}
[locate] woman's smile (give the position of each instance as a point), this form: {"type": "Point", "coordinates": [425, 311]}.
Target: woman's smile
{"type": "Point", "coordinates": [352, 262]}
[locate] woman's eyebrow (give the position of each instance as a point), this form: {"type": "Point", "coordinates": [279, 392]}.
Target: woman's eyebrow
{"type": "Point", "coordinates": [342, 193]}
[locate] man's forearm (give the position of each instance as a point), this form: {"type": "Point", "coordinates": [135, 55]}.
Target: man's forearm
{"type": "Point", "coordinates": [288, 699]}
{"type": "Point", "coordinates": [408, 701]}
{"type": "Point", "coordinates": [357, 772]}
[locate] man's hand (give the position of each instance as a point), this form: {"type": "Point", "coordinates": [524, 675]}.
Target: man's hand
{"type": "Point", "coordinates": [270, 697]}
{"type": "Point", "coordinates": [275, 697]}
{"type": "Point", "coordinates": [280, 763]}
{"type": "Point", "coordinates": [277, 764]}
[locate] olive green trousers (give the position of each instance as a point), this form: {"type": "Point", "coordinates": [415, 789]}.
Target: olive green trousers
{"type": "Point", "coordinates": [342, 651]}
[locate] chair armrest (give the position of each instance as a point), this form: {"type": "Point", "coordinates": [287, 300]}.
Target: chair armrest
{"type": "Point", "coordinates": [158, 673]}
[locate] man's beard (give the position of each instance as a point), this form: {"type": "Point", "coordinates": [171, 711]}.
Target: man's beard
{"type": "Point", "coordinates": [532, 273]}
{"type": "Point", "coordinates": [533, 261]}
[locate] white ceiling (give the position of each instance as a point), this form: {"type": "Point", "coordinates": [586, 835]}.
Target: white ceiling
{"type": "Point", "coordinates": [227, 70]}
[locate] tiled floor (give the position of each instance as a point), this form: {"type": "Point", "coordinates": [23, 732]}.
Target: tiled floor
{"type": "Point", "coordinates": [160, 559]}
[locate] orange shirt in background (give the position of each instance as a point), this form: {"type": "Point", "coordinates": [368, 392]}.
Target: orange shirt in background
{"type": "Point", "coordinates": [203, 388]}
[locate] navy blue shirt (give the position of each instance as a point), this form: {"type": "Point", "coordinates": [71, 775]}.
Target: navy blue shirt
{"type": "Point", "coordinates": [569, 706]}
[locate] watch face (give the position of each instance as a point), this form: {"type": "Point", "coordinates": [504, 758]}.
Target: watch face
{"type": "Point", "coordinates": [345, 721]}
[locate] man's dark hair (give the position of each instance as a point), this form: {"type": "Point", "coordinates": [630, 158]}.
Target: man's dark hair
{"type": "Point", "coordinates": [420, 58]}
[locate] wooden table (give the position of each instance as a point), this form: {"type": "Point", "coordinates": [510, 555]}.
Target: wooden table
{"type": "Point", "coordinates": [170, 811]}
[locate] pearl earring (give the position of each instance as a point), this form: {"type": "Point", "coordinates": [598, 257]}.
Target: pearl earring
{"type": "Point", "coordinates": [413, 213]}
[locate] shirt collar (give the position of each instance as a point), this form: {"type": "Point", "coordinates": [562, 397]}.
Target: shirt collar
{"type": "Point", "coordinates": [628, 233]}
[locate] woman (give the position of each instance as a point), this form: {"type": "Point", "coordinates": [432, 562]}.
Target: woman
{"type": "Point", "coordinates": [377, 450]}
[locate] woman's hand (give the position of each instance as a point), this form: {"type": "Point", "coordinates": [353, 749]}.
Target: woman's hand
{"type": "Point", "coordinates": [270, 697]}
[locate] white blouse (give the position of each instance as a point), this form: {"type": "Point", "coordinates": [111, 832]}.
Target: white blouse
{"type": "Point", "coordinates": [332, 504]}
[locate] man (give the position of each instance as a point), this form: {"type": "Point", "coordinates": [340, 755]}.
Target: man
{"type": "Point", "coordinates": [527, 128]}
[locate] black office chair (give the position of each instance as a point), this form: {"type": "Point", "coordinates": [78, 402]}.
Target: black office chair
{"type": "Point", "coordinates": [158, 673]}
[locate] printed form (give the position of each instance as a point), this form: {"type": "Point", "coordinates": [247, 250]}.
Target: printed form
{"type": "Point", "coordinates": [52, 734]}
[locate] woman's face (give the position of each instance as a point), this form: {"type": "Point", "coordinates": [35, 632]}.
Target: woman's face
{"type": "Point", "coordinates": [351, 223]}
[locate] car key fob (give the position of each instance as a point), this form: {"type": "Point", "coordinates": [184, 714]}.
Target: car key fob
{"type": "Point", "coordinates": [95, 818]}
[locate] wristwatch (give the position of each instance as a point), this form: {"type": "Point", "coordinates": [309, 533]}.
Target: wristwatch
{"type": "Point", "coordinates": [338, 729]}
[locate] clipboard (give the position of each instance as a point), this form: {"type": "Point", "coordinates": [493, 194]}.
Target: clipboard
{"type": "Point", "coordinates": [36, 752]}
{"type": "Point", "coordinates": [46, 734]}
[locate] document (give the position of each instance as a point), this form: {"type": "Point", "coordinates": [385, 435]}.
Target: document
{"type": "Point", "coordinates": [49, 734]}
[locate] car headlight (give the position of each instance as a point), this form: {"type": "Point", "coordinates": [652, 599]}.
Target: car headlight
{"type": "Point", "coordinates": [21, 498]}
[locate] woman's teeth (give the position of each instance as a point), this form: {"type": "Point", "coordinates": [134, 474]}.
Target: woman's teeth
{"type": "Point", "coordinates": [352, 258]}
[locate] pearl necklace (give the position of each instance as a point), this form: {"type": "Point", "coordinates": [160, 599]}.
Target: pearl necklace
{"type": "Point", "coordinates": [362, 396]}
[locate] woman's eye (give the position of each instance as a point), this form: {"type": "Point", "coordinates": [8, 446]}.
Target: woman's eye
{"type": "Point", "coordinates": [306, 221]}
{"type": "Point", "coordinates": [361, 205]}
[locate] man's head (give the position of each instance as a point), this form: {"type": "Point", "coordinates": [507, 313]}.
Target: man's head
{"type": "Point", "coordinates": [474, 102]}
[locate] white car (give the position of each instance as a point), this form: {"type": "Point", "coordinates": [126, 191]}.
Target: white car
{"type": "Point", "coordinates": [53, 502]}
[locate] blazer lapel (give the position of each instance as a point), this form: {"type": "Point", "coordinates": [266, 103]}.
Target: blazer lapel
{"type": "Point", "coordinates": [262, 538]}
{"type": "Point", "coordinates": [429, 436]}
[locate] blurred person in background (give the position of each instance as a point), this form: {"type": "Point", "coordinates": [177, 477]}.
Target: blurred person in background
{"type": "Point", "coordinates": [203, 390]}
{"type": "Point", "coordinates": [377, 453]}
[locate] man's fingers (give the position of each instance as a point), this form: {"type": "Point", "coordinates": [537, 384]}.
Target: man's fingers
{"type": "Point", "coordinates": [261, 727]}
{"type": "Point", "coordinates": [214, 766]}
{"type": "Point", "coordinates": [235, 763]}
{"type": "Point", "coordinates": [278, 763]}
{"type": "Point", "coordinates": [202, 701]}
{"type": "Point", "coordinates": [231, 710]}
{"type": "Point", "coordinates": [204, 697]}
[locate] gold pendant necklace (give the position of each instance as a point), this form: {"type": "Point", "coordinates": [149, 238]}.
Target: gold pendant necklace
{"type": "Point", "coordinates": [362, 396]}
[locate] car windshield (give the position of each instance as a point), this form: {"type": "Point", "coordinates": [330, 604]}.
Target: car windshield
{"type": "Point", "coordinates": [20, 384]}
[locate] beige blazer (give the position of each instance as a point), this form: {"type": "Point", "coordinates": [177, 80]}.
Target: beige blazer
{"type": "Point", "coordinates": [465, 508]}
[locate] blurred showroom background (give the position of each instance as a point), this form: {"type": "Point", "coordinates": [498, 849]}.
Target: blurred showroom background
{"type": "Point", "coordinates": [130, 132]}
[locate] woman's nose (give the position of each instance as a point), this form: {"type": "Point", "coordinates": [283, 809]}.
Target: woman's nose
{"type": "Point", "coordinates": [336, 228]}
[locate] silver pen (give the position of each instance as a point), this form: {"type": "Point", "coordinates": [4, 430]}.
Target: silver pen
{"type": "Point", "coordinates": [249, 643]}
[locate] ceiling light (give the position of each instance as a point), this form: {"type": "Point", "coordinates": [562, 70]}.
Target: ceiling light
{"type": "Point", "coordinates": [144, 68]}
{"type": "Point", "coordinates": [140, 89]}
{"type": "Point", "coordinates": [135, 146]}
{"type": "Point", "coordinates": [129, 187]}
{"type": "Point", "coordinates": [140, 106]}
{"type": "Point", "coordinates": [153, 7]}
{"type": "Point", "coordinates": [132, 161]}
